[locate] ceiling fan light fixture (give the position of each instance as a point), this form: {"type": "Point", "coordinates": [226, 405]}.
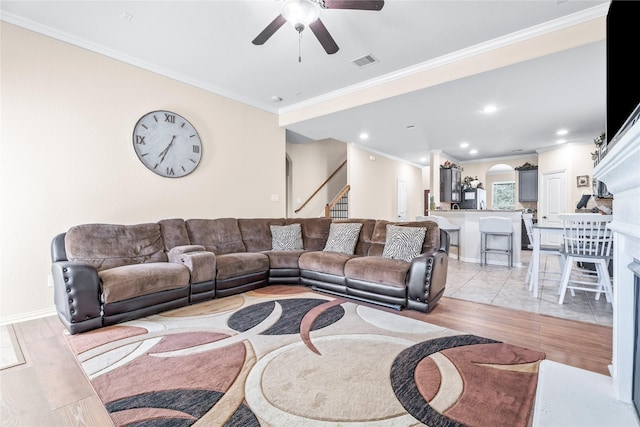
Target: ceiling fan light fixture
{"type": "Point", "coordinates": [300, 12]}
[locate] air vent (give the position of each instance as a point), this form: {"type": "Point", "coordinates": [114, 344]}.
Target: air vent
{"type": "Point", "coordinates": [364, 61]}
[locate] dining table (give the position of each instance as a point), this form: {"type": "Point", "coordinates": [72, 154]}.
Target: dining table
{"type": "Point", "coordinates": [538, 230]}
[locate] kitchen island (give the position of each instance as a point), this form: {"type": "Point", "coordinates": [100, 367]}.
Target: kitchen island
{"type": "Point", "coordinates": [468, 221]}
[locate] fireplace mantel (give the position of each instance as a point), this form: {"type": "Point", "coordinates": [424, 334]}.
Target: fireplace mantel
{"type": "Point", "coordinates": [620, 171]}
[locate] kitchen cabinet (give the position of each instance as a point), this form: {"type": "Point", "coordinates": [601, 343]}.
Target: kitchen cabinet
{"type": "Point", "coordinates": [450, 187]}
{"type": "Point", "coordinates": [528, 185]}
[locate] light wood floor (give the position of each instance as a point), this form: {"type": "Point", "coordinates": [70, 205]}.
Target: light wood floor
{"type": "Point", "coordinates": [50, 389]}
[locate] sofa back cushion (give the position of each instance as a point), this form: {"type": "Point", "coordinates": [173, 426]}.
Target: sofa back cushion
{"type": "Point", "coordinates": [174, 233]}
{"type": "Point", "coordinates": [431, 238]}
{"type": "Point", "coordinates": [256, 233]}
{"type": "Point", "coordinates": [111, 245]}
{"type": "Point", "coordinates": [314, 231]}
{"type": "Point", "coordinates": [220, 236]}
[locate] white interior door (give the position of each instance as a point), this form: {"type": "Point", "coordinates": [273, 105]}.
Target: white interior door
{"type": "Point", "coordinates": [554, 202]}
{"type": "Point", "coordinates": [402, 200]}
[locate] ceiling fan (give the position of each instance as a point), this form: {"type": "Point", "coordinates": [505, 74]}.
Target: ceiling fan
{"type": "Point", "coordinates": [303, 13]}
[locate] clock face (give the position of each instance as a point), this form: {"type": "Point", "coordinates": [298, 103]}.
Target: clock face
{"type": "Point", "coordinates": [167, 144]}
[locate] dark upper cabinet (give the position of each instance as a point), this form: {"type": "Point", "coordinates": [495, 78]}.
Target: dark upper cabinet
{"type": "Point", "coordinates": [528, 185]}
{"type": "Point", "coordinates": [450, 186]}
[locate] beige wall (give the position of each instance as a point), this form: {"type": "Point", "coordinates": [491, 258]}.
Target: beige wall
{"type": "Point", "coordinates": [310, 164]}
{"type": "Point", "coordinates": [374, 186]}
{"type": "Point", "coordinates": [575, 160]}
{"type": "Point", "coordinates": [67, 156]}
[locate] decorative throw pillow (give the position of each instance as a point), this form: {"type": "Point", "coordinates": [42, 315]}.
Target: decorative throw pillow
{"type": "Point", "coordinates": [403, 243]}
{"type": "Point", "coordinates": [343, 237]}
{"type": "Point", "coordinates": [286, 237]}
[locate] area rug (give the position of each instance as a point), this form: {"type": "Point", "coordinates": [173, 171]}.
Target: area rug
{"type": "Point", "coordinates": [288, 356]}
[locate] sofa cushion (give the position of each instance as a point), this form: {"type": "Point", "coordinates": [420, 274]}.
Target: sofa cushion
{"type": "Point", "coordinates": [377, 269]}
{"type": "Point", "coordinates": [220, 236]}
{"type": "Point", "coordinates": [174, 233]}
{"type": "Point", "coordinates": [283, 259]}
{"type": "Point", "coordinates": [364, 240]}
{"type": "Point", "coordinates": [314, 231]}
{"type": "Point", "coordinates": [107, 246]}
{"type": "Point", "coordinates": [286, 237]}
{"type": "Point", "coordinates": [343, 237]}
{"type": "Point", "coordinates": [130, 281]}
{"type": "Point", "coordinates": [431, 239]}
{"type": "Point", "coordinates": [403, 243]}
{"type": "Point", "coordinates": [324, 262]}
{"type": "Point", "coordinates": [240, 264]}
{"type": "Point", "coordinates": [256, 233]}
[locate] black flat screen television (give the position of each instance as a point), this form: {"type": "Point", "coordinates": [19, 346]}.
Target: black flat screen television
{"type": "Point", "coordinates": [623, 76]}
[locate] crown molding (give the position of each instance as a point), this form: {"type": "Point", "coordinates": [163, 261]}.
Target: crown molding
{"type": "Point", "coordinates": [528, 33]}
{"type": "Point", "coordinates": [110, 53]}
{"type": "Point", "coordinates": [510, 39]}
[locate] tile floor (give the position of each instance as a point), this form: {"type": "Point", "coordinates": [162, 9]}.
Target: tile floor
{"type": "Point", "coordinates": [499, 285]}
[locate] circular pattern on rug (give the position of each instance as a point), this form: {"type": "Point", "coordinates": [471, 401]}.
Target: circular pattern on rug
{"type": "Point", "coordinates": [348, 382]}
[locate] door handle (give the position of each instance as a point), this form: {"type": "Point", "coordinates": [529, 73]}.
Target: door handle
{"type": "Point", "coordinates": [544, 217]}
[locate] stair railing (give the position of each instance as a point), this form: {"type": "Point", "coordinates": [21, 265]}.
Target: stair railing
{"type": "Point", "coordinates": [321, 186]}
{"type": "Point", "coordinates": [338, 201]}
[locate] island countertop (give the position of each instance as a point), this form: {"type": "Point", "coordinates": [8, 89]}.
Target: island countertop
{"type": "Point", "coordinates": [468, 221]}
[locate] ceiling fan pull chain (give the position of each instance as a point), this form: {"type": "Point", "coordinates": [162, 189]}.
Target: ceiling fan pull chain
{"type": "Point", "coordinates": [299, 48]}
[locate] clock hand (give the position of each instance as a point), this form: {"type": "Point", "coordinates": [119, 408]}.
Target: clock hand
{"type": "Point", "coordinates": [164, 152]}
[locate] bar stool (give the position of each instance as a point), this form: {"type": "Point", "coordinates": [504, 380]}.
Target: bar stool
{"type": "Point", "coordinates": [444, 224]}
{"type": "Point", "coordinates": [495, 227]}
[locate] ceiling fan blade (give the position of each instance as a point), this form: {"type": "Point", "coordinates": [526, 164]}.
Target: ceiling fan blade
{"type": "Point", "coordinates": [323, 36]}
{"type": "Point", "coordinates": [353, 4]}
{"type": "Point", "coordinates": [269, 30]}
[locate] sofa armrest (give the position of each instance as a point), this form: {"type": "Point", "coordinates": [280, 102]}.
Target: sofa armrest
{"type": "Point", "coordinates": [201, 264]}
{"type": "Point", "coordinates": [184, 249]}
{"type": "Point", "coordinates": [427, 280]}
{"type": "Point", "coordinates": [77, 295]}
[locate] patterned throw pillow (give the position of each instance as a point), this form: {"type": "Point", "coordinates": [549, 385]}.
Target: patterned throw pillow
{"type": "Point", "coordinates": [286, 237]}
{"type": "Point", "coordinates": [403, 243]}
{"type": "Point", "coordinates": [343, 237]}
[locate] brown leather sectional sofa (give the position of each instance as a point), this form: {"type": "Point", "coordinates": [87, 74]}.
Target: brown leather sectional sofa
{"type": "Point", "coordinates": [106, 273]}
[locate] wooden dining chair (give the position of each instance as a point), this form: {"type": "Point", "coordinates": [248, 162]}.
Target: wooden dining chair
{"type": "Point", "coordinates": [586, 239]}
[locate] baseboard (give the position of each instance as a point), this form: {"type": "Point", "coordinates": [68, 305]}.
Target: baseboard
{"type": "Point", "coordinates": [23, 317]}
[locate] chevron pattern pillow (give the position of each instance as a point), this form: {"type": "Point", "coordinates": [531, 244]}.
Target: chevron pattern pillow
{"type": "Point", "coordinates": [403, 243]}
{"type": "Point", "coordinates": [286, 237]}
{"type": "Point", "coordinates": [343, 237]}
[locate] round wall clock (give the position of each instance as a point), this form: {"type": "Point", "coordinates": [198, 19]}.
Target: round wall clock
{"type": "Point", "coordinates": [167, 144]}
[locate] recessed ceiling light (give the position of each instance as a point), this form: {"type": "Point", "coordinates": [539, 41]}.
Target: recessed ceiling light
{"type": "Point", "coordinates": [474, 151]}
{"type": "Point", "coordinates": [364, 136]}
{"type": "Point", "coordinates": [562, 132]}
{"type": "Point", "coordinates": [490, 108]}
{"type": "Point", "coordinates": [464, 145]}
{"type": "Point", "coordinates": [423, 159]}
{"type": "Point", "coordinates": [561, 141]}
{"type": "Point", "coordinates": [127, 17]}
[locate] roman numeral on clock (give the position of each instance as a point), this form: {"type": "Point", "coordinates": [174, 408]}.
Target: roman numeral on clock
{"type": "Point", "coordinates": [171, 118]}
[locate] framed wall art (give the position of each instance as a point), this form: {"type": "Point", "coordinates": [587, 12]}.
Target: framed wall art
{"type": "Point", "coordinates": [582, 180]}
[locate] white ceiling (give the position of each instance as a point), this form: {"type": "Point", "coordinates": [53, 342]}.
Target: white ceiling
{"type": "Point", "coordinates": [208, 44]}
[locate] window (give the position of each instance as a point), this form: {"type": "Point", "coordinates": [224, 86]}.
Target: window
{"type": "Point", "coordinates": [504, 195]}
